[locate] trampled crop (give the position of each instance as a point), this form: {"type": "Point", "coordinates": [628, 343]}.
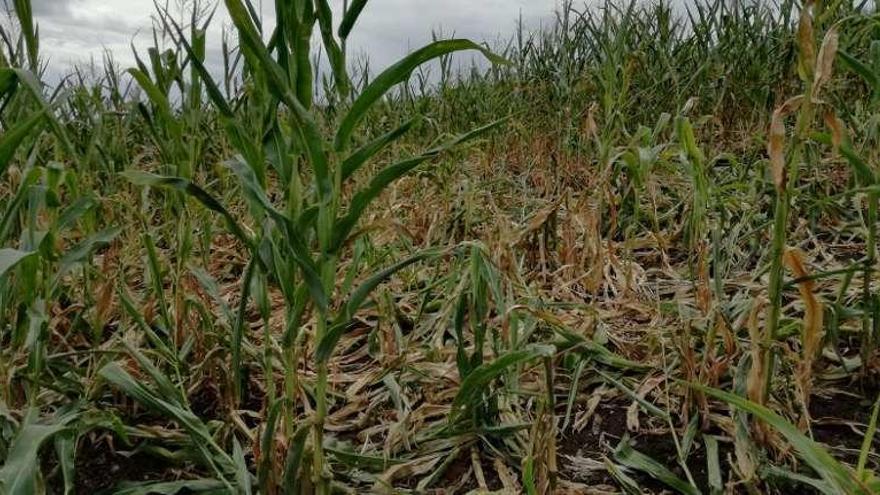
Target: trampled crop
{"type": "Point", "coordinates": [632, 251]}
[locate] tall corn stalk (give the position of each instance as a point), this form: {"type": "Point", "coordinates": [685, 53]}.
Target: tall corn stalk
{"type": "Point", "coordinates": [815, 71]}
{"type": "Point", "coordinates": [299, 245]}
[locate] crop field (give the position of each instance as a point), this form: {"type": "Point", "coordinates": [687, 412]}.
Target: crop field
{"type": "Point", "coordinates": [633, 251]}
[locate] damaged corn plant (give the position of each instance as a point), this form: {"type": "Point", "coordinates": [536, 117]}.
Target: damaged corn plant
{"type": "Point", "coordinates": [630, 251]}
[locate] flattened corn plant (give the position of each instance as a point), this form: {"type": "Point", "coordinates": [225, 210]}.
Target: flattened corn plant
{"type": "Point", "coordinates": [649, 242]}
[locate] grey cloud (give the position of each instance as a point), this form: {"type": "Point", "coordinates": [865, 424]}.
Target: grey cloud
{"type": "Point", "coordinates": [51, 8]}
{"type": "Point", "coordinates": [390, 28]}
{"type": "Point", "coordinates": [75, 30]}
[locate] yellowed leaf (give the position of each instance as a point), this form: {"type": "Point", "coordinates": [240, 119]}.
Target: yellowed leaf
{"type": "Point", "coordinates": [825, 62]}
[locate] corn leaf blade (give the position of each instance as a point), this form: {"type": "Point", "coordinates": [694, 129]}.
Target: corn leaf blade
{"type": "Point", "coordinates": [396, 74]}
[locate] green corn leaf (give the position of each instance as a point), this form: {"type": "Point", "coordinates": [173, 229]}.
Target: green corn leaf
{"type": "Point", "coordinates": [9, 258]}
{"type": "Point", "coordinates": [388, 175]}
{"type": "Point", "coordinates": [129, 307]}
{"type": "Point", "coordinates": [82, 251]}
{"type": "Point", "coordinates": [334, 52]}
{"type": "Point", "coordinates": [267, 442]}
{"type": "Point", "coordinates": [65, 451]}
{"type": "Point", "coordinates": [242, 475]}
{"type": "Point", "coordinates": [205, 486]}
{"type": "Point", "coordinates": [713, 466]}
{"type": "Point", "coordinates": [238, 330]}
{"type": "Point", "coordinates": [687, 440]}
{"type": "Point", "coordinates": [573, 392]}
{"type": "Point", "coordinates": [366, 196]}
{"type": "Point", "coordinates": [159, 100]}
{"type": "Point", "coordinates": [300, 302]}
{"type": "Point", "coordinates": [156, 278]}
{"type": "Point", "coordinates": [213, 90]}
{"type": "Point", "coordinates": [212, 288]}
{"type": "Point", "coordinates": [356, 300]}
{"type": "Point", "coordinates": [634, 459]}
{"type": "Point", "coordinates": [474, 385]}
{"type": "Point", "coordinates": [771, 472]}
{"type": "Point", "coordinates": [24, 14]}
{"type": "Point", "coordinates": [870, 77]}
{"type": "Point", "coordinates": [119, 377]}
{"type": "Point", "coordinates": [8, 81]}
{"type": "Point", "coordinates": [19, 473]}
{"type": "Point", "coordinates": [33, 85]}
{"type": "Point", "coordinates": [12, 138]}
{"type": "Point", "coordinates": [351, 17]}
{"type": "Point", "coordinates": [294, 461]}
{"type": "Point", "coordinates": [529, 476]}
{"type": "Point", "coordinates": [199, 433]}
{"type": "Point", "coordinates": [832, 472]}
{"type": "Point", "coordinates": [461, 357]}
{"type": "Point", "coordinates": [365, 289]}
{"type": "Point", "coordinates": [296, 242]}
{"type": "Point", "coordinates": [75, 211]}
{"type": "Point", "coordinates": [233, 126]}
{"type": "Point", "coordinates": [617, 472]}
{"type": "Point", "coordinates": [686, 135]}
{"type": "Point", "coordinates": [184, 185]}
{"type": "Point", "coordinates": [345, 455]}
{"type": "Point", "coordinates": [301, 50]}
{"type": "Point", "coordinates": [867, 442]}
{"type": "Point", "coordinates": [863, 170]}
{"type": "Point", "coordinates": [396, 74]}
{"type": "Point", "coordinates": [13, 205]}
{"type": "Point", "coordinates": [598, 352]}
{"type": "Point", "coordinates": [311, 134]}
{"type": "Point", "coordinates": [651, 408]}
{"type": "Point", "coordinates": [166, 387]}
{"type": "Point", "coordinates": [363, 154]}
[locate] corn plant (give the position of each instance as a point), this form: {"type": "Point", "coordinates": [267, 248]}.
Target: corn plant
{"type": "Point", "coordinates": [785, 166]}
{"type": "Point", "coordinates": [834, 476]}
{"type": "Point", "coordinates": [299, 245]}
{"type": "Point", "coordinates": [520, 317]}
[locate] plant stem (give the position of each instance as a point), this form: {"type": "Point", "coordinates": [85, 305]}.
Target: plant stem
{"type": "Point", "coordinates": [868, 337]}
{"type": "Point", "coordinates": [780, 226]}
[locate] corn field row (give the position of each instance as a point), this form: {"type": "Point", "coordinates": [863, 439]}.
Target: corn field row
{"type": "Point", "coordinates": [634, 251]}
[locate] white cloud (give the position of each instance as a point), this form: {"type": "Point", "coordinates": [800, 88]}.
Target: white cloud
{"type": "Point", "coordinates": [75, 31]}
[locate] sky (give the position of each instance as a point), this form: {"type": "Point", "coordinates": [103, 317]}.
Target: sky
{"type": "Point", "coordinates": [77, 31]}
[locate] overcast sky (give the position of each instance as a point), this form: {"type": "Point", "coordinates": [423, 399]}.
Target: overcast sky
{"type": "Point", "coordinates": [75, 31]}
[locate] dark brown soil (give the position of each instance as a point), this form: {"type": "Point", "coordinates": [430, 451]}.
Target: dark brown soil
{"type": "Point", "coordinates": [458, 469]}
{"type": "Point", "coordinates": [206, 401]}
{"type": "Point", "coordinates": [461, 466]}
{"type": "Point", "coordinates": [99, 469]}
{"type": "Point", "coordinates": [600, 440]}
{"type": "Point", "coordinates": [593, 442]}
{"type": "Point", "coordinates": [839, 422]}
